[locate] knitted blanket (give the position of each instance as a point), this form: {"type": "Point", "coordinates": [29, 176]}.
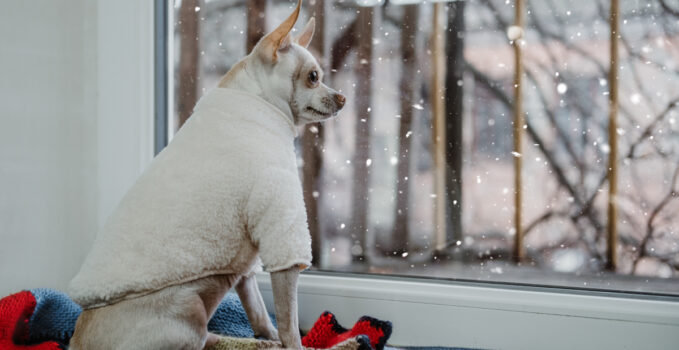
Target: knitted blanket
{"type": "Point", "coordinates": [44, 319]}
{"type": "Point", "coordinates": [229, 343]}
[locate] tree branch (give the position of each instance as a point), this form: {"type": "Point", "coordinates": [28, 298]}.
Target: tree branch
{"type": "Point", "coordinates": [650, 228]}
{"type": "Point", "coordinates": [342, 46]}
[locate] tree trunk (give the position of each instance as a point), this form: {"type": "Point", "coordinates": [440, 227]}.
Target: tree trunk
{"type": "Point", "coordinates": [360, 199]}
{"type": "Point", "coordinates": [312, 141]}
{"type": "Point", "coordinates": [408, 82]}
{"type": "Point", "coordinates": [189, 60]}
{"type": "Point", "coordinates": [256, 22]}
{"type": "Point", "coordinates": [454, 110]}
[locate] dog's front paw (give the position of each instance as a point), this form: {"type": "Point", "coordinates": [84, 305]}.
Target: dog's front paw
{"type": "Point", "coordinates": [292, 345]}
{"type": "Point", "coordinates": [291, 340]}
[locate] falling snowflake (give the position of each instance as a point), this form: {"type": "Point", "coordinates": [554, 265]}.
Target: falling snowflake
{"type": "Point", "coordinates": [635, 99]}
{"type": "Point", "coordinates": [514, 32]}
{"type": "Point", "coordinates": [561, 88]}
{"type": "Point", "coordinates": [605, 148]}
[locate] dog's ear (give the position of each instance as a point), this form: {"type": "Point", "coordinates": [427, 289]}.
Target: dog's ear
{"type": "Point", "coordinates": [279, 39]}
{"type": "Point", "coordinates": [304, 38]}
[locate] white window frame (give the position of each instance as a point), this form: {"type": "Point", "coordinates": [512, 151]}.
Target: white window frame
{"type": "Point", "coordinates": [125, 99]}
{"type": "Point", "coordinates": [424, 312]}
{"type": "Point", "coordinates": [477, 315]}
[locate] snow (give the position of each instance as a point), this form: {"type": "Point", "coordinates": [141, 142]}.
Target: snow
{"type": "Point", "coordinates": [514, 33]}
{"type": "Point", "coordinates": [561, 88]}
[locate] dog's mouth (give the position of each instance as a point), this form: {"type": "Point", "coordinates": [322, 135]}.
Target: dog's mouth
{"type": "Point", "coordinates": [315, 111]}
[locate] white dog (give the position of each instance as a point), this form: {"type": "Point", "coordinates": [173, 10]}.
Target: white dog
{"type": "Point", "coordinates": [224, 194]}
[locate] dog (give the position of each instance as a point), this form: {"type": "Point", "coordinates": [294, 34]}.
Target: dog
{"type": "Point", "coordinates": [283, 73]}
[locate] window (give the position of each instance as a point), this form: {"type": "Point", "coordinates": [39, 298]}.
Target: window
{"type": "Point", "coordinates": [385, 195]}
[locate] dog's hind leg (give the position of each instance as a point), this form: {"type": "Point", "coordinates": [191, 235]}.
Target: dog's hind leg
{"type": "Point", "coordinates": [171, 335]}
{"type": "Point", "coordinates": [116, 328]}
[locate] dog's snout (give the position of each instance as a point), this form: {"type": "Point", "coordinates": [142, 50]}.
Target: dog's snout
{"type": "Point", "coordinates": [339, 100]}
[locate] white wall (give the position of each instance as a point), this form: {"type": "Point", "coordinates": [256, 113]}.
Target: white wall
{"type": "Point", "coordinates": [75, 128]}
{"type": "Point", "coordinates": [48, 147]}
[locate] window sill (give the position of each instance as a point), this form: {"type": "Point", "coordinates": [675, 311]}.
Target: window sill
{"type": "Point", "coordinates": [430, 312]}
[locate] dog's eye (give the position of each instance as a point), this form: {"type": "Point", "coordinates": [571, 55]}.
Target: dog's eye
{"type": "Point", "coordinates": [313, 77]}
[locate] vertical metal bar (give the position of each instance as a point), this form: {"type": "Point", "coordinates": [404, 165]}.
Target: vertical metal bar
{"type": "Point", "coordinates": [439, 128]}
{"type": "Point", "coordinates": [611, 262]}
{"type": "Point", "coordinates": [160, 74]}
{"type": "Point", "coordinates": [519, 252]}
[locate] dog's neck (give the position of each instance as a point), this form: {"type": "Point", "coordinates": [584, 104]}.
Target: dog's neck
{"type": "Point", "coordinates": [241, 77]}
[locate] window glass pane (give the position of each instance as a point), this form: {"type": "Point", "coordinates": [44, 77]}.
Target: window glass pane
{"type": "Point", "coordinates": [370, 175]}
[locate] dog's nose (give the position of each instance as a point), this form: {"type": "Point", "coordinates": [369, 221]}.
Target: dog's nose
{"type": "Point", "coordinates": [339, 100]}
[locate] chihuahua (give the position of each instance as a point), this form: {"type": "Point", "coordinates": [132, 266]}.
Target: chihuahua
{"type": "Point", "coordinates": [285, 74]}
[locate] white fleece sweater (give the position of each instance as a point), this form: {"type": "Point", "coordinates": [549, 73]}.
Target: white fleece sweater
{"type": "Point", "coordinates": [225, 189]}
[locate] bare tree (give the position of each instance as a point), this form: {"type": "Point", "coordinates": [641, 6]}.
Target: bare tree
{"type": "Point", "coordinates": [671, 194]}
{"type": "Point", "coordinates": [312, 138]}
{"type": "Point", "coordinates": [568, 157]}
{"type": "Point", "coordinates": [454, 109]}
{"type": "Point", "coordinates": [363, 98]}
{"type": "Point", "coordinates": [409, 32]}
{"type": "Point", "coordinates": [256, 22]}
{"type": "Point", "coordinates": [342, 46]}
